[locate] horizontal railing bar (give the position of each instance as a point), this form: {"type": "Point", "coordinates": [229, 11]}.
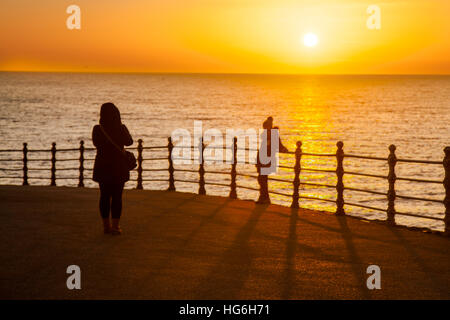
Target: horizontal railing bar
{"type": "Point", "coordinates": [418, 216]}
{"type": "Point", "coordinates": [419, 161]}
{"type": "Point", "coordinates": [316, 154]}
{"type": "Point", "coordinates": [58, 160]}
{"type": "Point", "coordinates": [217, 184]}
{"type": "Point", "coordinates": [11, 150]}
{"type": "Point", "coordinates": [218, 147]}
{"type": "Point", "coordinates": [419, 180]}
{"type": "Point", "coordinates": [162, 169]}
{"type": "Point", "coordinates": [245, 149]}
{"type": "Point", "coordinates": [155, 147]}
{"type": "Point", "coordinates": [65, 178]}
{"type": "Point", "coordinates": [189, 181]}
{"type": "Point", "coordinates": [217, 172]}
{"type": "Point", "coordinates": [418, 199]}
{"type": "Point", "coordinates": [247, 175]}
{"type": "Point", "coordinates": [63, 149]}
{"type": "Point", "coordinates": [364, 206]}
{"type": "Point", "coordinates": [317, 184]}
{"type": "Point", "coordinates": [286, 167]}
{"type": "Point", "coordinates": [12, 169]}
{"type": "Point", "coordinates": [364, 157]}
{"type": "Point", "coordinates": [12, 177]}
{"type": "Point", "coordinates": [245, 162]}
{"type": "Point", "coordinates": [186, 170]}
{"type": "Point", "coordinates": [318, 170]}
{"type": "Point", "coordinates": [280, 180]}
{"type": "Point", "coordinates": [150, 159]}
{"type": "Point", "coordinates": [38, 150]}
{"type": "Point", "coordinates": [365, 174]}
{"type": "Point", "coordinates": [316, 198]}
{"type": "Point", "coordinates": [245, 187]}
{"type": "Point", "coordinates": [11, 160]}
{"type": "Point", "coordinates": [281, 193]}
{"type": "Point", "coordinates": [365, 190]}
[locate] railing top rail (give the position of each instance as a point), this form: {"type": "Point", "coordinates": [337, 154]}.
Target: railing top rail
{"type": "Point", "coordinates": [11, 150]}
{"type": "Point", "coordinates": [347, 155]}
{"type": "Point", "coordinates": [419, 161]}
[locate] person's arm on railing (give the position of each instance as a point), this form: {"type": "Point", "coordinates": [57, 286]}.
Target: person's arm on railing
{"type": "Point", "coordinates": [282, 148]}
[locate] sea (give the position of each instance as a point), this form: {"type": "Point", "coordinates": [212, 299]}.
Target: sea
{"type": "Point", "coordinates": [368, 113]}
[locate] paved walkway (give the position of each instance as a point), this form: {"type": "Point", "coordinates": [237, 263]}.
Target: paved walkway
{"type": "Point", "coordinates": [186, 246]}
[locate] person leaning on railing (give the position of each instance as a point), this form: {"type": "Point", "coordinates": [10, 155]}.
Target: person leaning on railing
{"type": "Point", "coordinates": [264, 169]}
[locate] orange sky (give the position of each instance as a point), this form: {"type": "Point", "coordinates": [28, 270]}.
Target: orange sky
{"type": "Point", "coordinates": [238, 36]}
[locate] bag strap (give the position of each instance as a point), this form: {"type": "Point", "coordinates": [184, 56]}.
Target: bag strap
{"type": "Point", "coordinates": [111, 140]}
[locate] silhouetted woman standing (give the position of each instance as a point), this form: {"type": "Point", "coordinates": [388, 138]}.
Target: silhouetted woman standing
{"type": "Point", "coordinates": [110, 168]}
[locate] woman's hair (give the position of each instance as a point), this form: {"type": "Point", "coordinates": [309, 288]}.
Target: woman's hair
{"type": "Point", "coordinates": [110, 117]}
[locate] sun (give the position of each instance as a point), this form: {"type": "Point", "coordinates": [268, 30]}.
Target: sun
{"type": "Point", "coordinates": [310, 40]}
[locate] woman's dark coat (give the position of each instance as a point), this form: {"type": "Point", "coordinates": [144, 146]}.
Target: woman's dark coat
{"type": "Point", "coordinates": [110, 164]}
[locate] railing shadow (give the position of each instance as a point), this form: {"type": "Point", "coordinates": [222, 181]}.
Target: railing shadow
{"type": "Point", "coordinates": [234, 267]}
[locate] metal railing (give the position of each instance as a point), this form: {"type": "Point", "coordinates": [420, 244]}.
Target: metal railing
{"type": "Point", "coordinates": [339, 187]}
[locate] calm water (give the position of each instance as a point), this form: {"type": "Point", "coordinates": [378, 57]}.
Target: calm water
{"type": "Point", "coordinates": [368, 113]}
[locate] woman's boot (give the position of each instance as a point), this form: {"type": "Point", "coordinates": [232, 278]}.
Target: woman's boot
{"type": "Point", "coordinates": [106, 226]}
{"type": "Point", "coordinates": [116, 230]}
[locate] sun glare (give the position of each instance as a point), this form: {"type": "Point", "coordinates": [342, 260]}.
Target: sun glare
{"type": "Point", "coordinates": [310, 40]}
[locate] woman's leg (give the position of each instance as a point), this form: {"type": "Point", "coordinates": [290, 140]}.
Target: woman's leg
{"type": "Point", "coordinates": [116, 207]}
{"type": "Point", "coordinates": [116, 202]}
{"type": "Point", "coordinates": [105, 198]}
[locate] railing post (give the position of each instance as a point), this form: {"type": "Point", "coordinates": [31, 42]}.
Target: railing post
{"type": "Point", "coordinates": [340, 179]}
{"type": "Point", "coordinates": [392, 161]}
{"type": "Point", "coordinates": [171, 169]}
{"type": "Point", "coordinates": [201, 169]}
{"type": "Point", "coordinates": [25, 164]}
{"type": "Point", "coordinates": [139, 165]}
{"type": "Point", "coordinates": [297, 170]}
{"type": "Point", "coordinates": [53, 169]}
{"type": "Point", "coordinates": [446, 163]}
{"type": "Point", "coordinates": [81, 177]}
{"type": "Point", "coordinates": [233, 193]}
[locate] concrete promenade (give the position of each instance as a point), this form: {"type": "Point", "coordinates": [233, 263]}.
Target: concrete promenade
{"type": "Point", "coordinates": [186, 246]}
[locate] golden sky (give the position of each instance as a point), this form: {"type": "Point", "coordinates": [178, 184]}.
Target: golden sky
{"type": "Point", "coordinates": [226, 36]}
